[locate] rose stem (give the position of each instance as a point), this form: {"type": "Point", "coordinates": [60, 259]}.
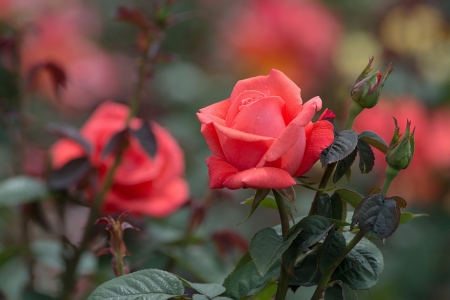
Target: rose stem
{"type": "Point", "coordinates": [323, 283]}
{"type": "Point", "coordinates": [149, 55]}
{"type": "Point", "coordinates": [283, 281]}
{"type": "Point", "coordinates": [353, 111]}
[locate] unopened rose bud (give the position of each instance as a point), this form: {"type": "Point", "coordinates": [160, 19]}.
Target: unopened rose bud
{"type": "Point", "coordinates": [367, 89]}
{"type": "Point", "coordinates": [400, 152]}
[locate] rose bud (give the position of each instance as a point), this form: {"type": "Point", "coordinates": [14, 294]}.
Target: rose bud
{"type": "Point", "coordinates": [400, 153]}
{"type": "Point", "coordinates": [367, 89]}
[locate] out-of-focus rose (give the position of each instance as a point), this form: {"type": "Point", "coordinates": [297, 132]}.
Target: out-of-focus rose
{"type": "Point", "coordinates": [141, 184]}
{"type": "Point", "coordinates": [420, 182]}
{"type": "Point", "coordinates": [59, 38]}
{"type": "Point", "coordinates": [298, 37]}
{"type": "Point", "coordinates": [262, 135]}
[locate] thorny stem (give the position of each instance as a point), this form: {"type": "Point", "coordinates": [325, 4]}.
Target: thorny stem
{"type": "Point", "coordinates": [323, 283]}
{"type": "Point", "coordinates": [283, 281]}
{"type": "Point", "coordinates": [149, 55]}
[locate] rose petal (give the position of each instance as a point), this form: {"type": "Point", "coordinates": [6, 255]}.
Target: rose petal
{"type": "Point", "coordinates": [236, 105]}
{"type": "Point", "coordinates": [242, 150]}
{"type": "Point", "coordinates": [318, 136]}
{"type": "Point", "coordinates": [206, 118]}
{"type": "Point", "coordinates": [284, 142]}
{"type": "Point", "coordinates": [307, 113]}
{"type": "Point", "coordinates": [219, 170]}
{"type": "Point", "coordinates": [219, 109]}
{"type": "Point", "coordinates": [257, 178]}
{"type": "Point", "coordinates": [64, 151]}
{"type": "Point", "coordinates": [263, 117]}
{"type": "Point", "coordinates": [275, 84]}
{"type": "Point", "coordinates": [212, 140]}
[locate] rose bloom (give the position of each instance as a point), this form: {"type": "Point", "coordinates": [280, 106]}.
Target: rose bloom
{"type": "Point", "coordinates": [420, 181]}
{"type": "Point", "coordinates": [298, 37]}
{"type": "Point", "coordinates": [63, 38]}
{"type": "Point", "coordinates": [143, 185]}
{"type": "Point", "coordinates": [262, 135]}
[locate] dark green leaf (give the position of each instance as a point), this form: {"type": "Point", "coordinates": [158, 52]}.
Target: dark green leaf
{"type": "Point", "coordinates": [70, 133]}
{"type": "Point", "coordinates": [330, 207]}
{"type": "Point", "coordinates": [115, 142]}
{"type": "Point", "coordinates": [267, 247]}
{"type": "Point", "coordinates": [210, 290]}
{"type": "Point", "coordinates": [374, 140]}
{"type": "Point", "coordinates": [260, 195]}
{"type": "Point", "coordinates": [351, 197]}
{"type": "Point", "coordinates": [71, 173]}
{"type": "Point", "coordinates": [366, 157]}
{"type": "Point", "coordinates": [267, 292]}
{"type": "Point", "coordinates": [343, 166]}
{"type": "Point", "coordinates": [268, 202]}
{"type": "Point", "coordinates": [150, 284]}
{"type": "Point", "coordinates": [30, 294]}
{"type": "Point", "coordinates": [313, 229]}
{"type": "Point", "coordinates": [405, 217]}
{"type": "Point", "coordinates": [245, 279]}
{"type": "Point", "coordinates": [343, 145]}
{"type": "Point", "coordinates": [199, 297]}
{"type": "Point", "coordinates": [9, 90]}
{"type": "Point", "coordinates": [307, 274]}
{"type": "Point", "coordinates": [332, 249]}
{"type": "Point", "coordinates": [21, 189]}
{"type": "Point", "coordinates": [340, 291]}
{"type": "Point", "coordinates": [147, 138]}
{"type": "Point", "coordinates": [362, 267]}
{"type": "Point", "coordinates": [377, 217]}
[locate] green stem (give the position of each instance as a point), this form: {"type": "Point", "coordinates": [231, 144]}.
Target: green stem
{"type": "Point", "coordinates": [283, 282]}
{"type": "Point", "coordinates": [324, 280]}
{"type": "Point", "coordinates": [354, 109]}
{"type": "Point", "coordinates": [322, 185]}
{"type": "Point", "coordinates": [120, 269]}
{"type": "Point", "coordinates": [391, 173]}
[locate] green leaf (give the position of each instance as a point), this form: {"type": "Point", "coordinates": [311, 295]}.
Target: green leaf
{"type": "Point", "coordinates": [259, 196]}
{"type": "Point", "coordinates": [338, 223]}
{"type": "Point", "coordinates": [21, 189]}
{"type": "Point", "coordinates": [343, 145]}
{"type": "Point", "coordinates": [307, 274]}
{"type": "Point", "coordinates": [362, 267]}
{"type": "Point", "coordinates": [344, 165]}
{"type": "Point", "coordinates": [267, 247]}
{"type": "Point", "coordinates": [378, 217]}
{"type": "Point", "coordinates": [374, 140]}
{"type": "Point", "coordinates": [146, 138]}
{"type": "Point", "coordinates": [406, 216]}
{"type": "Point", "coordinates": [366, 157]}
{"type": "Point", "coordinates": [340, 291]}
{"type": "Point", "coordinates": [351, 197]}
{"type": "Point", "coordinates": [330, 207]}
{"type": "Point", "coordinates": [199, 297]}
{"type": "Point", "coordinates": [210, 290]}
{"type": "Point", "coordinates": [150, 284]}
{"type": "Point", "coordinates": [268, 202]}
{"type": "Point", "coordinates": [245, 279]}
{"type": "Point", "coordinates": [332, 249]}
{"type": "Point", "coordinates": [71, 173]}
{"type": "Point", "coordinates": [267, 292]}
{"type": "Point", "coordinates": [313, 229]}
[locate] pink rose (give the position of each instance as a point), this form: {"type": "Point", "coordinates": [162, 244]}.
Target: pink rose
{"type": "Point", "coordinates": [262, 136]}
{"type": "Point", "coordinates": [143, 185]}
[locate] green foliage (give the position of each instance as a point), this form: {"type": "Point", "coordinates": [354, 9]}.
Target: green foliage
{"type": "Point", "coordinates": [366, 157]}
{"type": "Point", "coordinates": [313, 229]}
{"type": "Point", "coordinates": [378, 217]}
{"type": "Point", "coordinates": [150, 284]}
{"type": "Point", "coordinates": [268, 202]}
{"type": "Point", "coordinates": [332, 249]}
{"type": "Point", "coordinates": [374, 140]}
{"type": "Point", "coordinates": [330, 207]}
{"type": "Point", "coordinates": [343, 166]}
{"type": "Point", "coordinates": [307, 274]}
{"type": "Point", "coordinates": [267, 247]}
{"type": "Point", "coordinates": [351, 197]}
{"type": "Point", "coordinates": [146, 138]}
{"type": "Point", "coordinates": [340, 291]}
{"type": "Point", "coordinates": [343, 145]}
{"type": "Point", "coordinates": [209, 290]}
{"type": "Point", "coordinates": [245, 279]}
{"type": "Point", "coordinates": [267, 292]}
{"type": "Point", "coordinates": [259, 196]}
{"type": "Point", "coordinates": [406, 216]}
{"type": "Point", "coordinates": [362, 267]}
{"type": "Point", "coordinates": [21, 189]}
{"type": "Point", "coordinates": [69, 174]}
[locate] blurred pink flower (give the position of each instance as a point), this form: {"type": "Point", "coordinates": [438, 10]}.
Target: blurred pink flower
{"type": "Point", "coordinates": [297, 37]}
{"type": "Point", "coordinates": [420, 182]}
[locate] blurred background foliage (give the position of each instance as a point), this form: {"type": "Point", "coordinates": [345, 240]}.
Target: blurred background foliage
{"type": "Point", "coordinates": [321, 45]}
